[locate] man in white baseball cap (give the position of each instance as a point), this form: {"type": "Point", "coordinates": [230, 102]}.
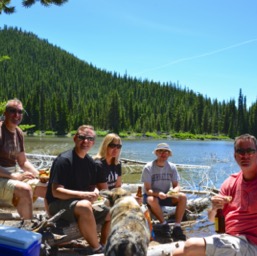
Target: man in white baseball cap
{"type": "Point", "coordinates": [160, 177]}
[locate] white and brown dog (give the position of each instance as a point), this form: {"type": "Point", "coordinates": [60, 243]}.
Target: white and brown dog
{"type": "Point", "coordinates": [129, 234]}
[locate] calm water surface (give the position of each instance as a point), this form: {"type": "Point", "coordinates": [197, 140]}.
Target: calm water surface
{"type": "Point", "coordinates": [217, 155]}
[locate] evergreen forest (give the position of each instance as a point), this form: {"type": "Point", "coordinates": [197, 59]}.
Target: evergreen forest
{"type": "Point", "coordinates": [60, 92]}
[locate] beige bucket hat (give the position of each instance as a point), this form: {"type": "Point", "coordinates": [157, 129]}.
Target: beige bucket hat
{"type": "Point", "coordinates": [163, 146]}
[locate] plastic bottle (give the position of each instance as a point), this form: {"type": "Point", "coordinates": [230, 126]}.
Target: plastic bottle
{"type": "Point", "coordinates": [220, 222]}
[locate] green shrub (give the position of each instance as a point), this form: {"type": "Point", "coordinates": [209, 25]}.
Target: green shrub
{"type": "Point", "coordinates": [101, 133]}
{"type": "Point", "coordinates": [50, 133]}
{"type": "Point", "coordinates": [123, 134]}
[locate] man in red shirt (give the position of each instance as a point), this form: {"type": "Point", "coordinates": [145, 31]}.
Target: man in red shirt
{"type": "Point", "coordinates": [240, 213]}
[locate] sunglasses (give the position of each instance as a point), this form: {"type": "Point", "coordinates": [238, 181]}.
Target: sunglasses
{"type": "Point", "coordinates": [15, 111]}
{"type": "Point", "coordinates": [112, 145]}
{"type": "Point", "coordinates": [161, 151]}
{"type": "Point", "coordinates": [89, 138]}
{"type": "Point", "coordinates": [248, 151]}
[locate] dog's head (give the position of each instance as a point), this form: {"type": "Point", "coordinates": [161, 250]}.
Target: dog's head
{"type": "Point", "coordinates": [125, 246]}
{"type": "Point", "coordinates": [114, 194]}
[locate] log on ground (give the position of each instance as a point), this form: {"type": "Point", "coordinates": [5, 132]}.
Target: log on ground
{"type": "Point", "coordinates": [159, 250]}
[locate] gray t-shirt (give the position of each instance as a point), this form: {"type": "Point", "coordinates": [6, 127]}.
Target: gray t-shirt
{"type": "Point", "coordinates": [160, 178]}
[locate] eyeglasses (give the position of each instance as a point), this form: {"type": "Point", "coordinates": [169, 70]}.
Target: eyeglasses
{"type": "Point", "coordinates": [248, 151]}
{"type": "Point", "coordinates": [161, 151]}
{"type": "Point", "coordinates": [15, 111]}
{"type": "Point", "coordinates": [112, 145]}
{"type": "Point", "coordinates": [82, 137]}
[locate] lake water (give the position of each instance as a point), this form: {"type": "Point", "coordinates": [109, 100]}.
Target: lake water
{"type": "Point", "coordinates": [216, 155]}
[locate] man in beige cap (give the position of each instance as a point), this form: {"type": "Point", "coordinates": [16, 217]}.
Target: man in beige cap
{"type": "Point", "coordinates": [159, 177]}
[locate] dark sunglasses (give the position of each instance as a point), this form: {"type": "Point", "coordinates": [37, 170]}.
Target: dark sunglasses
{"type": "Point", "coordinates": [248, 151]}
{"type": "Point", "coordinates": [112, 145]}
{"type": "Point", "coordinates": [82, 137]}
{"type": "Point", "coordinates": [15, 111]}
{"type": "Point", "coordinates": [161, 151]}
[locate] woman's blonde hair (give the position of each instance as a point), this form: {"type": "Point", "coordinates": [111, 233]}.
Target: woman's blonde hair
{"type": "Point", "coordinates": [102, 152]}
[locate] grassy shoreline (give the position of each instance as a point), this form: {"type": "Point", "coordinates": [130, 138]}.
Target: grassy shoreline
{"type": "Point", "coordinates": [147, 135]}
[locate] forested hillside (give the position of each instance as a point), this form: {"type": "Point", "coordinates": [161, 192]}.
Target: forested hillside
{"type": "Point", "coordinates": [61, 92]}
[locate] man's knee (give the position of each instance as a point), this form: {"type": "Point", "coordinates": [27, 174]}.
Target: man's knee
{"type": "Point", "coordinates": [194, 246]}
{"type": "Point", "coordinates": [83, 207]}
{"type": "Point", "coordinates": [23, 190]}
{"type": "Point", "coordinates": [182, 197]}
{"type": "Point", "coordinates": [152, 200]}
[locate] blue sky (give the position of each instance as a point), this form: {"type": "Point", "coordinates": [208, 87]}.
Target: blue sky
{"type": "Point", "coordinates": [206, 46]}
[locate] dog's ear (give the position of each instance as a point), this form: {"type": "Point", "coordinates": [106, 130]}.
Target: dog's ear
{"type": "Point", "coordinates": [108, 194]}
{"type": "Point", "coordinates": [119, 193]}
{"type": "Point", "coordinates": [114, 194]}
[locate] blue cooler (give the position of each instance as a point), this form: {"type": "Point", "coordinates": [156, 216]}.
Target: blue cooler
{"type": "Point", "coordinates": [18, 242]}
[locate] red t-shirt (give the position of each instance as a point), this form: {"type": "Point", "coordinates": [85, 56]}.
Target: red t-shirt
{"type": "Point", "coordinates": [241, 212]}
{"type": "Point", "coordinates": [11, 143]}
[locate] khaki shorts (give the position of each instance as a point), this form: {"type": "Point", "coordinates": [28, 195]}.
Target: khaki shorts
{"type": "Point", "coordinates": [227, 245]}
{"type": "Point", "coordinates": [7, 187]}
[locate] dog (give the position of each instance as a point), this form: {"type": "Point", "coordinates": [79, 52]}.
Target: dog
{"type": "Point", "coordinates": [129, 232]}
